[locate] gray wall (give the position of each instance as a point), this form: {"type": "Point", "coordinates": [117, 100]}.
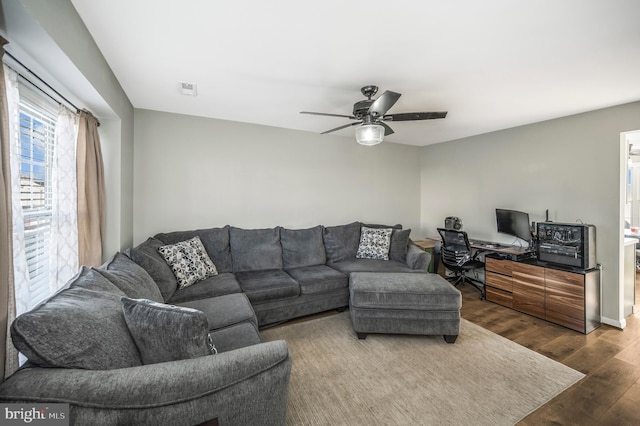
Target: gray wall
{"type": "Point", "coordinates": [198, 172]}
{"type": "Point", "coordinates": [570, 166]}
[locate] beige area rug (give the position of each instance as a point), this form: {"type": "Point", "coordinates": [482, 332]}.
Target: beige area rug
{"type": "Point", "coordinates": [482, 379]}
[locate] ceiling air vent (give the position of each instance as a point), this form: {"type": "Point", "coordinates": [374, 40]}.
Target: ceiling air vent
{"type": "Point", "coordinates": [189, 89]}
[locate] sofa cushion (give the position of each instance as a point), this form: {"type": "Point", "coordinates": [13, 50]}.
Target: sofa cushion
{"type": "Point", "coordinates": [374, 243]}
{"type": "Point", "coordinates": [81, 326]}
{"type": "Point", "coordinates": [255, 249]}
{"type": "Point", "coordinates": [130, 277]}
{"type": "Point", "coordinates": [318, 279]}
{"type": "Point", "coordinates": [302, 247]}
{"type": "Point", "coordinates": [214, 240]}
{"type": "Point", "coordinates": [371, 265]}
{"type": "Point", "coordinates": [225, 311]}
{"type": "Point", "coordinates": [189, 261]}
{"type": "Point", "coordinates": [215, 286]}
{"type": "Point", "coordinates": [236, 336]}
{"type": "Point", "coordinates": [341, 242]}
{"type": "Point", "coordinates": [146, 255]}
{"type": "Point", "coordinates": [166, 332]}
{"type": "Point", "coordinates": [264, 286]}
{"type": "Point", "coordinates": [399, 245]}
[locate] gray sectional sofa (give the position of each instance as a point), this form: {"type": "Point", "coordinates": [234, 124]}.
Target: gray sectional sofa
{"type": "Point", "coordinates": [85, 350]}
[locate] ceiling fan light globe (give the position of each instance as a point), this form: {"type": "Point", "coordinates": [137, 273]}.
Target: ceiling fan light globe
{"type": "Point", "coordinates": [369, 134]}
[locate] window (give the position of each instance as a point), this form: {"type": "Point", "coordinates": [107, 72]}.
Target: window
{"type": "Point", "coordinates": [37, 136]}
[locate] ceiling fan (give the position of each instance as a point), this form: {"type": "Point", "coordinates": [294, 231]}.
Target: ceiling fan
{"type": "Point", "coordinates": [371, 115]}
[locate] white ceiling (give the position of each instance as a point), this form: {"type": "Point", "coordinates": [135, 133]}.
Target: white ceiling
{"type": "Point", "coordinates": [493, 64]}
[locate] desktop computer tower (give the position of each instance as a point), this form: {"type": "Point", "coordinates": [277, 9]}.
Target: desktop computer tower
{"type": "Point", "coordinates": [568, 244]}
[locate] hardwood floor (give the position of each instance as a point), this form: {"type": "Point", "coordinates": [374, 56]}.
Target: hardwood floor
{"type": "Point", "coordinates": [610, 358]}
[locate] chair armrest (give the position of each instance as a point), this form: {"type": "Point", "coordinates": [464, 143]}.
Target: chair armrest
{"type": "Point", "coordinates": [418, 258]}
{"type": "Point", "coordinates": [245, 386]}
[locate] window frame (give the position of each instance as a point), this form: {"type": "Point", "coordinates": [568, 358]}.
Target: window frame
{"type": "Point", "coordinates": [37, 139]}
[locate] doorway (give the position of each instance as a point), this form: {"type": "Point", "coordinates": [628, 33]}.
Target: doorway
{"type": "Point", "coordinates": [631, 209]}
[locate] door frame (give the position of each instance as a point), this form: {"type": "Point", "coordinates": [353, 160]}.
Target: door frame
{"type": "Point", "coordinates": [624, 159]}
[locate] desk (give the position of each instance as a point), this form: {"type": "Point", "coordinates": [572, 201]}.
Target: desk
{"type": "Point", "coordinates": [514, 252]}
{"type": "Point", "coordinates": [432, 245]}
{"type": "Point", "coordinates": [504, 251]}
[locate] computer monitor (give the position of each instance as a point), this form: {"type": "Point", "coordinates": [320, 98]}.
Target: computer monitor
{"type": "Point", "coordinates": [515, 223]}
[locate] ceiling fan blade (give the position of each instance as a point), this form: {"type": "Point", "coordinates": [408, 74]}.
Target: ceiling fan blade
{"type": "Point", "coordinates": [409, 116]}
{"type": "Point", "coordinates": [384, 102]}
{"type": "Point", "coordinates": [341, 127]}
{"type": "Point", "coordinates": [387, 130]}
{"type": "Point", "coordinates": [351, 117]}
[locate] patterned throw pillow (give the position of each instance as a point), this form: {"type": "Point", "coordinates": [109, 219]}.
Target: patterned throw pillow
{"type": "Point", "coordinates": [374, 243]}
{"type": "Point", "coordinates": [189, 261]}
{"type": "Point", "coordinates": [166, 332]}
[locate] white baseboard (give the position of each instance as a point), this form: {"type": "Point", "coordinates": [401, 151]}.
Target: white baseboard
{"type": "Point", "coordinates": [621, 323]}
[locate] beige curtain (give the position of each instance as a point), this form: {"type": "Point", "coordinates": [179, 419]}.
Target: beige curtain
{"type": "Point", "coordinates": [91, 207]}
{"type": "Point", "coordinates": [8, 354]}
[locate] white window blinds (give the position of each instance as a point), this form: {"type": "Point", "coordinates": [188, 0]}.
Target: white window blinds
{"type": "Point", "coordinates": [37, 137]}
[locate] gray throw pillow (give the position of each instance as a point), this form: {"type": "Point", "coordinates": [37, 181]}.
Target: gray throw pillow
{"type": "Point", "coordinates": [131, 278]}
{"type": "Point", "coordinates": [374, 243]}
{"type": "Point", "coordinates": [399, 245]}
{"type": "Point", "coordinates": [81, 326]}
{"type": "Point", "coordinates": [166, 332]}
{"type": "Point", "coordinates": [302, 247]}
{"type": "Point", "coordinates": [189, 261]}
{"type": "Point", "coordinates": [341, 242]}
{"type": "Point", "coordinates": [255, 249]}
{"type": "Point", "coordinates": [148, 256]}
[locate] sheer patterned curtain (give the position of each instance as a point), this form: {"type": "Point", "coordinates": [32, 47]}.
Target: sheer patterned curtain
{"type": "Point", "coordinates": [20, 271]}
{"type": "Point", "coordinates": [91, 208]}
{"type": "Point", "coordinates": [8, 354]}
{"type": "Point", "coordinates": [62, 236]}
{"type": "Point", "coordinates": [63, 260]}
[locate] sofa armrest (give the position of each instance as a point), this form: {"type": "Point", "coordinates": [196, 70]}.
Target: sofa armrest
{"type": "Point", "coordinates": [418, 258]}
{"type": "Point", "coordinates": [245, 386]}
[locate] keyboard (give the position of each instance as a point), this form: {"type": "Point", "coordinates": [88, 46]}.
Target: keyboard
{"type": "Point", "coordinates": [486, 244]}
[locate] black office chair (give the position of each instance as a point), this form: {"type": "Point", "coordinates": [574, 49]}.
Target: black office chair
{"type": "Point", "coordinates": [457, 256]}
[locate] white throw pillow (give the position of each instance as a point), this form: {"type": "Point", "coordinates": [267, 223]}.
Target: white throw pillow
{"type": "Point", "coordinates": [374, 243]}
{"type": "Point", "coordinates": [189, 261]}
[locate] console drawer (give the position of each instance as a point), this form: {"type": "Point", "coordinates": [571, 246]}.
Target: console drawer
{"type": "Point", "coordinates": [503, 282]}
{"type": "Point", "coordinates": [500, 266]}
{"type": "Point", "coordinates": [500, 297]}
